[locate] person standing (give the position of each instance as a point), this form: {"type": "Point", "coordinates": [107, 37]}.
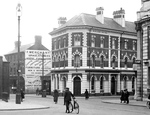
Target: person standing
{"type": "Point", "coordinates": [56, 94]}
{"type": "Point", "coordinates": [22, 94]}
{"type": "Point", "coordinates": [86, 94]}
{"type": "Point", "coordinates": [126, 95]}
{"type": "Point", "coordinates": [67, 98]}
{"type": "Point", "coordinates": [37, 91]}
{"type": "Point", "coordinates": [122, 96]}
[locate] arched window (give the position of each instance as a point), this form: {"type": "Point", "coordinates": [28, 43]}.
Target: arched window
{"type": "Point", "coordinates": [93, 83]}
{"type": "Point", "coordinates": [77, 61]}
{"type": "Point", "coordinates": [93, 61]}
{"type": "Point", "coordinates": [64, 61]}
{"type": "Point", "coordinates": [102, 61]}
{"type": "Point", "coordinates": [126, 62]}
{"type": "Point", "coordinates": [101, 82]}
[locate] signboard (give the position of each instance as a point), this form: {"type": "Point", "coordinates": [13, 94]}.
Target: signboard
{"type": "Point", "coordinates": [37, 63]}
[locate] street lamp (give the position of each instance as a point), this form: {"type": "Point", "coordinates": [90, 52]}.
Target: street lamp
{"type": "Point", "coordinates": [18, 95]}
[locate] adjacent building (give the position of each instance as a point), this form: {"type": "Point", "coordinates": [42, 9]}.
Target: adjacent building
{"type": "Point", "coordinates": [143, 50]}
{"type": "Point", "coordinates": [94, 52]}
{"type": "Point", "coordinates": [35, 64]}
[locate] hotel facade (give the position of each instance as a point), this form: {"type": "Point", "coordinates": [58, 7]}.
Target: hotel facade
{"type": "Point", "coordinates": [94, 52]}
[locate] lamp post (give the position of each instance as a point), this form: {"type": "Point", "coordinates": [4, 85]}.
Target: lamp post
{"type": "Point", "coordinates": [18, 95]}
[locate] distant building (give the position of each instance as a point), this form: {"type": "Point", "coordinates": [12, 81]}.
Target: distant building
{"type": "Point", "coordinates": [143, 50]}
{"type": "Point", "coordinates": [34, 62]}
{"type": "Point", "coordinates": [94, 52]}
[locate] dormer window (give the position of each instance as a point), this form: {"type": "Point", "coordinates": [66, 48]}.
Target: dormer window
{"type": "Point", "coordinates": [126, 44]}
{"type": "Point", "coordinates": [77, 39]}
{"type": "Point", "coordinates": [93, 40]}
{"type": "Point", "coordinates": [102, 42]}
{"type": "Point", "coordinates": [113, 43]}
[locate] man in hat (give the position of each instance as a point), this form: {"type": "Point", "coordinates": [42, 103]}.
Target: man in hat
{"type": "Point", "coordinates": [67, 98]}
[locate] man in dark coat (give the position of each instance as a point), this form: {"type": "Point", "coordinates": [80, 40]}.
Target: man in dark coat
{"type": "Point", "coordinates": [56, 94]}
{"type": "Point", "coordinates": [67, 98]}
{"type": "Point", "coordinates": [86, 94]}
{"type": "Point", "coordinates": [126, 96]}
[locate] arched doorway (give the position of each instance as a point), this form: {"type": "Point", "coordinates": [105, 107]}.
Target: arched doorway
{"type": "Point", "coordinates": [77, 86]}
{"type": "Point", "coordinates": [113, 86]}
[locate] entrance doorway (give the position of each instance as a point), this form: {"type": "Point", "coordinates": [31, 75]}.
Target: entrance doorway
{"type": "Point", "coordinates": [113, 85]}
{"type": "Point", "coordinates": [77, 86]}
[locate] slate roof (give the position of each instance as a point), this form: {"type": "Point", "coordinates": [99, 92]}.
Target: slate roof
{"type": "Point", "coordinates": [90, 20]}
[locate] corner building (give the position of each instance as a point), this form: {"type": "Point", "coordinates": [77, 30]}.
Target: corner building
{"type": "Point", "coordinates": [94, 52]}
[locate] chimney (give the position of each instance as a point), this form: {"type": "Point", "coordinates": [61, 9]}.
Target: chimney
{"type": "Point", "coordinates": [38, 40]}
{"type": "Point", "coordinates": [62, 21]}
{"type": "Point", "coordinates": [119, 17]}
{"type": "Point", "coordinates": [16, 44]}
{"type": "Point", "coordinates": [99, 15]}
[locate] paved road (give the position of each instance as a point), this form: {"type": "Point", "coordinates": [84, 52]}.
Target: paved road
{"type": "Point", "coordinates": [93, 106]}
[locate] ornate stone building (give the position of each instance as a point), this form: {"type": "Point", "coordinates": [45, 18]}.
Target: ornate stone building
{"type": "Point", "coordinates": [94, 52]}
{"type": "Point", "coordinates": [143, 51]}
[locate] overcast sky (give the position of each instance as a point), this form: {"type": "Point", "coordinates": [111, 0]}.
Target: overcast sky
{"type": "Point", "coordinates": [39, 17]}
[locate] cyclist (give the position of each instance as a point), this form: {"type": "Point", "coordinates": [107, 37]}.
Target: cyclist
{"type": "Point", "coordinates": [67, 98]}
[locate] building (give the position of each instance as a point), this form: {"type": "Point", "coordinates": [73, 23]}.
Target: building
{"type": "Point", "coordinates": [143, 51]}
{"type": "Point", "coordinates": [94, 52]}
{"type": "Point", "coordinates": [4, 77]}
{"type": "Point", "coordinates": [34, 62]}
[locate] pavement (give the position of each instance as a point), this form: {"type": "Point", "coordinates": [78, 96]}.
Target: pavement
{"type": "Point", "coordinates": [27, 105]}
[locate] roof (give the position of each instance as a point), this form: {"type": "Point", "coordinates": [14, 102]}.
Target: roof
{"type": "Point", "coordinates": [90, 20]}
{"type": "Point", "coordinates": [22, 48]}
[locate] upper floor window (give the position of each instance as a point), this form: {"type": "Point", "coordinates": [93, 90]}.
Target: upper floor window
{"type": "Point", "coordinates": [134, 43]}
{"type": "Point", "coordinates": [113, 43]}
{"type": "Point", "coordinates": [54, 44]}
{"type": "Point", "coordinates": [59, 43]}
{"type": "Point", "coordinates": [125, 62]}
{"type": "Point", "coordinates": [93, 61]}
{"type": "Point", "coordinates": [126, 44]}
{"type": "Point", "coordinates": [102, 61]}
{"type": "Point", "coordinates": [93, 40]}
{"type": "Point", "coordinates": [77, 61]}
{"type": "Point", "coordinates": [102, 42]}
{"type": "Point", "coordinates": [77, 39]}
{"type": "Point", "coordinates": [59, 61]}
{"type": "Point", "coordinates": [113, 62]}
{"type": "Point", "coordinates": [64, 61]}
{"type": "Point", "coordinates": [64, 38]}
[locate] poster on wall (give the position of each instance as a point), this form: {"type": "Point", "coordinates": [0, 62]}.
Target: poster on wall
{"type": "Point", "coordinates": [37, 63]}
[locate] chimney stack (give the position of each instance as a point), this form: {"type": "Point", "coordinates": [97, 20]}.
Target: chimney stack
{"type": "Point", "coordinates": [119, 17]}
{"type": "Point", "coordinates": [62, 21]}
{"type": "Point", "coordinates": [38, 40]}
{"type": "Point", "coordinates": [99, 15]}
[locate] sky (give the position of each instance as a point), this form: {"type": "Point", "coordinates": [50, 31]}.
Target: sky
{"type": "Point", "coordinates": [39, 17]}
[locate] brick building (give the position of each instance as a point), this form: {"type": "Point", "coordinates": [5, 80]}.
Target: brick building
{"type": "Point", "coordinates": [94, 52]}
{"type": "Point", "coordinates": [34, 65]}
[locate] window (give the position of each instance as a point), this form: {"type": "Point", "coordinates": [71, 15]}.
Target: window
{"type": "Point", "coordinates": [113, 43]}
{"type": "Point", "coordinates": [125, 82]}
{"type": "Point", "coordinates": [134, 43]}
{"type": "Point", "coordinates": [125, 44]}
{"type": "Point", "coordinates": [54, 44]}
{"type": "Point", "coordinates": [57, 82]}
{"type": "Point", "coordinates": [101, 82]}
{"type": "Point", "coordinates": [102, 61]}
{"type": "Point", "coordinates": [133, 82]}
{"type": "Point", "coordinates": [64, 41]}
{"type": "Point", "coordinates": [102, 42]}
{"type": "Point", "coordinates": [77, 39]}
{"type": "Point", "coordinates": [93, 61]}
{"type": "Point", "coordinates": [113, 62]}
{"type": "Point", "coordinates": [77, 61]}
{"type": "Point", "coordinates": [59, 61]}
{"type": "Point", "coordinates": [59, 43]}
{"type": "Point", "coordinates": [93, 40]}
{"type": "Point", "coordinates": [125, 62]}
{"type": "Point", "coordinates": [92, 83]}
{"type": "Point", "coordinates": [64, 61]}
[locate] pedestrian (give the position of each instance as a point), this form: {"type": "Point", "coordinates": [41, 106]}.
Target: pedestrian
{"type": "Point", "coordinates": [126, 96]}
{"type": "Point", "coordinates": [86, 93]}
{"type": "Point", "coordinates": [37, 91]}
{"type": "Point", "coordinates": [22, 95]}
{"type": "Point", "coordinates": [56, 94]}
{"type": "Point", "coordinates": [122, 96]}
{"type": "Point", "coordinates": [67, 97]}
{"type": "Point", "coordinates": [64, 96]}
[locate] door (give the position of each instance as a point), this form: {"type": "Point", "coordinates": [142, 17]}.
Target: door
{"type": "Point", "coordinates": [77, 86]}
{"type": "Point", "coordinates": [113, 86]}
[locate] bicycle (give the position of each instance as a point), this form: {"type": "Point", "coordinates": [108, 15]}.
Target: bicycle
{"type": "Point", "coordinates": [148, 104]}
{"type": "Point", "coordinates": [74, 107]}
